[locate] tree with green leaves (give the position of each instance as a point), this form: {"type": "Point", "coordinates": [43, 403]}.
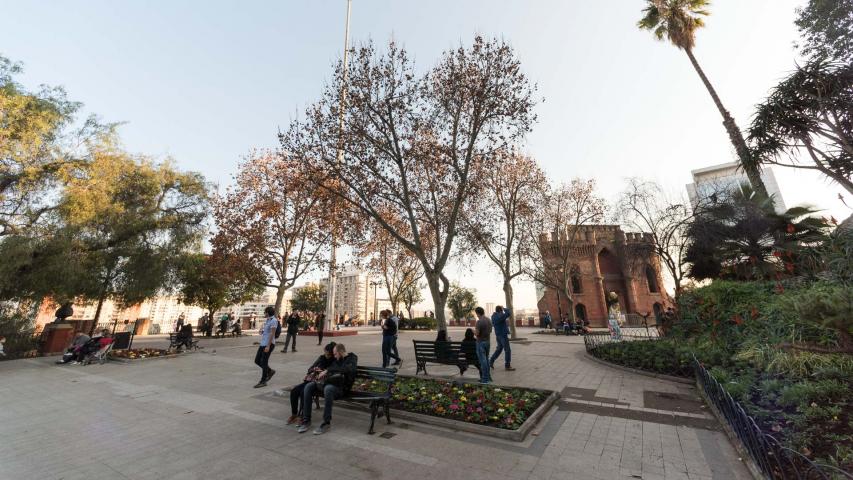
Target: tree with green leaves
{"type": "Point", "coordinates": [461, 301]}
{"type": "Point", "coordinates": [310, 298]}
{"type": "Point", "coordinates": [678, 21]}
{"type": "Point", "coordinates": [41, 145]}
{"type": "Point", "coordinates": [809, 114]}
{"type": "Point", "coordinates": [216, 280]}
{"type": "Point", "coordinates": [744, 238]}
{"type": "Point", "coordinates": [827, 30]}
{"type": "Point", "coordinates": [131, 220]}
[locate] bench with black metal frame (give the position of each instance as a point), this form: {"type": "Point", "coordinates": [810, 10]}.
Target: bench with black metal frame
{"type": "Point", "coordinates": [175, 341]}
{"type": "Point", "coordinates": [457, 354]}
{"type": "Point", "coordinates": [375, 400]}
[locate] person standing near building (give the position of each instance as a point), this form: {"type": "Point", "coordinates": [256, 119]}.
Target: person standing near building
{"type": "Point", "coordinates": [293, 322]}
{"type": "Point", "coordinates": [267, 345]}
{"type": "Point", "coordinates": [546, 320]}
{"type": "Point", "coordinates": [394, 351]}
{"type": "Point", "coordinates": [180, 322]}
{"type": "Point", "coordinates": [483, 329]}
{"type": "Point", "coordinates": [499, 319]}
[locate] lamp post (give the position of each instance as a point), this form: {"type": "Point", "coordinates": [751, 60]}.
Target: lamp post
{"type": "Point", "coordinates": [331, 314]}
{"type": "Point", "coordinates": [375, 284]}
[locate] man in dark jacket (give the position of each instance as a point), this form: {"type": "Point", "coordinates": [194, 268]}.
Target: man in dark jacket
{"type": "Point", "coordinates": [322, 363]}
{"type": "Point", "coordinates": [337, 381]}
{"type": "Point", "coordinates": [499, 321]}
{"type": "Point", "coordinates": [389, 334]}
{"type": "Point", "coordinates": [293, 322]}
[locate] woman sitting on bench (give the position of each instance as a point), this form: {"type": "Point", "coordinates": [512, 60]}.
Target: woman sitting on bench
{"type": "Point", "coordinates": [322, 363]}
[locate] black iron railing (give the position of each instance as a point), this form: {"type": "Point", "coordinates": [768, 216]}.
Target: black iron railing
{"type": "Point", "coordinates": [773, 460]}
{"type": "Point", "coordinates": [770, 457]}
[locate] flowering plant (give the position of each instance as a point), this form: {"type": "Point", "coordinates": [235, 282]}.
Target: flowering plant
{"type": "Point", "coordinates": [481, 404]}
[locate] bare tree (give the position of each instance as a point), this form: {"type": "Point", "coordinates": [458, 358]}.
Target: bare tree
{"type": "Point", "coordinates": [274, 218]}
{"type": "Point", "coordinates": [410, 141]}
{"type": "Point", "coordinates": [383, 256]}
{"type": "Point", "coordinates": [643, 206]}
{"type": "Point", "coordinates": [512, 189]}
{"type": "Point", "coordinates": [556, 232]}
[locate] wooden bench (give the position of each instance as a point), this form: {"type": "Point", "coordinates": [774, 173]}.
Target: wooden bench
{"type": "Point", "coordinates": [446, 353]}
{"type": "Point", "coordinates": [375, 400]}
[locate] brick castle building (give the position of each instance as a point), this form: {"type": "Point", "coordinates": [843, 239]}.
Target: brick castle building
{"type": "Point", "coordinates": [607, 259]}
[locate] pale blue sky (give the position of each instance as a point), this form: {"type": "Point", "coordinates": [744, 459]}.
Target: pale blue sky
{"type": "Point", "coordinates": [204, 82]}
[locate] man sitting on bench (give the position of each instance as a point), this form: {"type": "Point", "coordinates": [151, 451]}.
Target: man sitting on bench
{"type": "Point", "coordinates": [323, 362]}
{"type": "Point", "coordinates": [336, 382]}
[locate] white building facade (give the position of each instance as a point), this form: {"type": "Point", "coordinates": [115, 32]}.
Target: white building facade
{"type": "Point", "coordinates": [728, 177]}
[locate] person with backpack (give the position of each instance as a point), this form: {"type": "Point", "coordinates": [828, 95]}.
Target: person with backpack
{"type": "Point", "coordinates": [293, 322]}
{"type": "Point", "coordinates": [270, 330]}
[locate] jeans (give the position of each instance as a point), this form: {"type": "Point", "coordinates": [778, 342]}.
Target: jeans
{"type": "Point", "coordinates": [296, 397]}
{"type": "Point", "coordinates": [262, 359]}
{"type": "Point", "coordinates": [394, 349]}
{"type": "Point", "coordinates": [503, 345]}
{"type": "Point", "coordinates": [287, 338]}
{"type": "Point", "coordinates": [330, 393]}
{"type": "Point", "coordinates": [388, 345]}
{"type": "Point", "coordinates": [483, 356]}
{"type": "Point", "coordinates": [320, 336]}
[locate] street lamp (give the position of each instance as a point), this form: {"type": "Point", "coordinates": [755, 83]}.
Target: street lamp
{"type": "Point", "coordinates": [375, 284]}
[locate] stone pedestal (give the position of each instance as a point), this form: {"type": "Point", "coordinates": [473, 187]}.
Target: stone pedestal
{"type": "Point", "coordinates": [57, 336]}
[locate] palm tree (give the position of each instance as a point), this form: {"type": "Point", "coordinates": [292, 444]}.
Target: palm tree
{"type": "Point", "coordinates": [677, 21]}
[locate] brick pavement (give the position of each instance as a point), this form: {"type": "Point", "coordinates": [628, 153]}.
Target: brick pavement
{"type": "Point", "coordinates": [198, 417]}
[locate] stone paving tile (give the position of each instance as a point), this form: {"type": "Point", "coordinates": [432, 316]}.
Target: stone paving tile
{"type": "Point", "coordinates": [197, 417]}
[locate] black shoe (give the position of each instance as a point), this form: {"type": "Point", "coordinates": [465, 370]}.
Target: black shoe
{"type": "Point", "coordinates": [294, 350]}
{"type": "Point", "coordinates": [397, 363]}
{"type": "Point", "coordinates": [261, 384]}
{"type": "Point", "coordinates": [272, 372]}
{"type": "Point", "coordinates": [284, 351]}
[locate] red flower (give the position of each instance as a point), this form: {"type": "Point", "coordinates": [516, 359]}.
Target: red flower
{"type": "Point", "coordinates": [791, 228]}
{"type": "Point", "coordinates": [737, 319]}
{"type": "Point", "coordinates": [754, 313]}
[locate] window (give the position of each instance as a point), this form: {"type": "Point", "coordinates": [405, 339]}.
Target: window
{"type": "Point", "coordinates": [580, 312]}
{"type": "Point", "coordinates": [651, 279]}
{"type": "Point", "coordinates": [577, 285]}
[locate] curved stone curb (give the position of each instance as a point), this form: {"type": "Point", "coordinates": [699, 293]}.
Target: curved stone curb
{"type": "Point", "coordinates": [662, 376]}
{"type": "Point", "coordinates": [514, 435]}
{"type": "Point", "coordinates": [134, 360]}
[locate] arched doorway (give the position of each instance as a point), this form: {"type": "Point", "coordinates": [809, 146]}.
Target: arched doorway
{"type": "Point", "coordinates": [658, 309]}
{"type": "Point", "coordinates": [613, 280]}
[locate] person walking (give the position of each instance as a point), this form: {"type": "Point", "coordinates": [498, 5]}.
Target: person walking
{"type": "Point", "coordinates": [499, 319]}
{"type": "Point", "coordinates": [267, 345]}
{"type": "Point", "coordinates": [389, 332]}
{"type": "Point", "coordinates": [483, 328]}
{"type": "Point", "coordinates": [394, 351]}
{"type": "Point", "coordinates": [320, 324]}
{"type": "Point", "coordinates": [293, 322]}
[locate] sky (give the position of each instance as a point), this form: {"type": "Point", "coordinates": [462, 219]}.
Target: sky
{"type": "Point", "coordinates": [204, 82]}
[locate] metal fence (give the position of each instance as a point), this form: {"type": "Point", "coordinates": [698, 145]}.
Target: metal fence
{"type": "Point", "coordinates": [774, 460]}
{"type": "Point", "coordinates": [22, 345]}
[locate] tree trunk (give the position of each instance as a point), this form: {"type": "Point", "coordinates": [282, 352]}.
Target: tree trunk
{"type": "Point", "coordinates": [97, 313]}
{"type": "Point", "coordinates": [735, 135]}
{"type": "Point", "coordinates": [279, 298]}
{"type": "Point", "coordinates": [438, 300]}
{"type": "Point", "coordinates": [511, 307]}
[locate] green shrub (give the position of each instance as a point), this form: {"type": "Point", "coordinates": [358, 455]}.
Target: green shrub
{"type": "Point", "coordinates": [418, 323]}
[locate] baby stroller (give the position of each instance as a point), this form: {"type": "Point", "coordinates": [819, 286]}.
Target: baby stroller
{"type": "Point", "coordinates": [99, 355]}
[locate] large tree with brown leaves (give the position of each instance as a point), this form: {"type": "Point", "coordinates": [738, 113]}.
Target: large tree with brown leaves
{"type": "Point", "coordinates": [275, 218]}
{"type": "Point", "coordinates": [411, 140]}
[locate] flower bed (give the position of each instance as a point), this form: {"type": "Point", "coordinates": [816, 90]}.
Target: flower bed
{"type": "Point", "coordinates": [140, 353]}
{"type": "Point", "coordinates": [499, 407]}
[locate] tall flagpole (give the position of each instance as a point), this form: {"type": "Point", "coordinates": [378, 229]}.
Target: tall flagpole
{"type": "Point", "coordinates": [331, 314]}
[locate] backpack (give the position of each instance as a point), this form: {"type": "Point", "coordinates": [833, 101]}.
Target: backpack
{"type": "Point", "coordinates": [277, 328]}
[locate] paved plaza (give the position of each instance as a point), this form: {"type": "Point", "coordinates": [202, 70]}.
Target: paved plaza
{"type": "Point", "coordinates": [198, 417]}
